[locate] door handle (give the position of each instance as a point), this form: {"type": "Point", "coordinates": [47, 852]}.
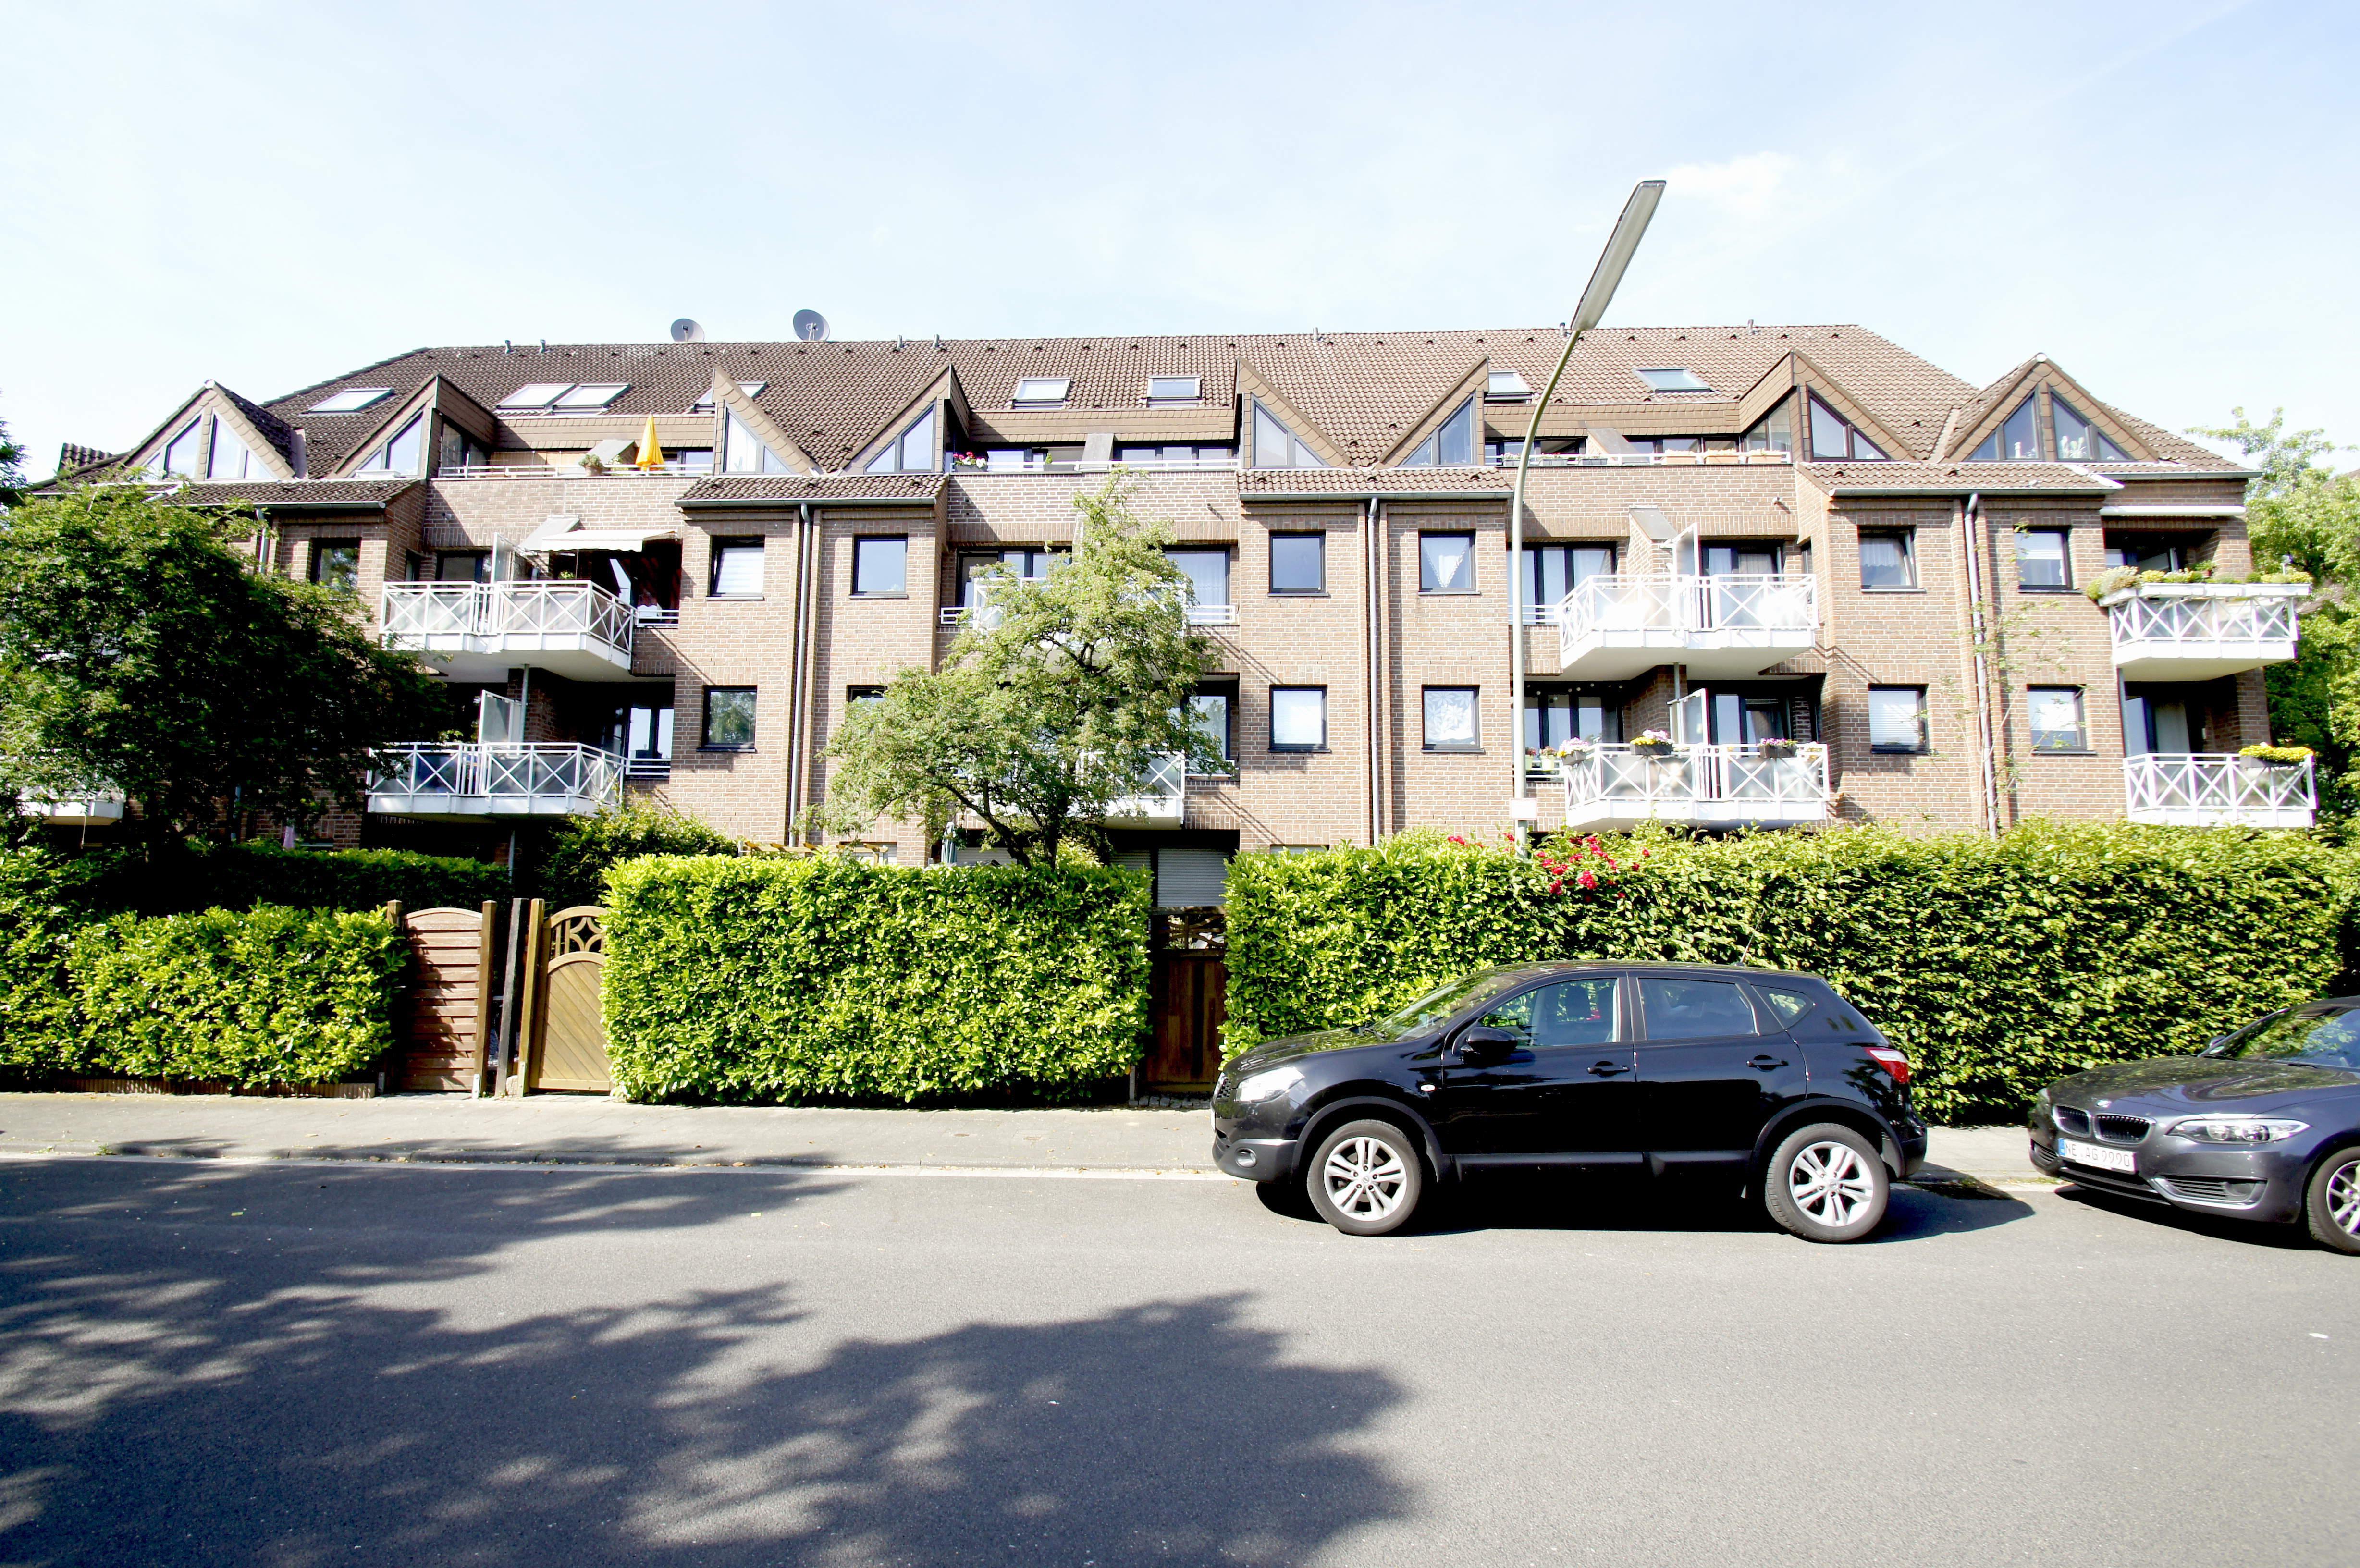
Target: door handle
{"type": "Point", "coordinates": [1764, 1062]}
{"type": "Point", "coordinates": [1608, 1069]}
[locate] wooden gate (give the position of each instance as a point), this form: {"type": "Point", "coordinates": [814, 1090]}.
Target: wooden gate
{"type": "Point", "coordinates": [445, 1033]}
{"type": "Point", "coordinates": [568, 1038]}
{"type": "Point", "coordinates": [1188, 1000]}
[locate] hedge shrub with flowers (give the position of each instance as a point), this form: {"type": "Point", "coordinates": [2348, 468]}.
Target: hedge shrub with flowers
{"type": "Point", "coordinates": [1999, 964]}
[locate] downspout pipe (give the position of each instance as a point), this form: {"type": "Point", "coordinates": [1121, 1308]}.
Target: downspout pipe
{"type": "Point", "coordinates": [1372, 578]}
{"type": "Point", "coordinates": [1986, 741]}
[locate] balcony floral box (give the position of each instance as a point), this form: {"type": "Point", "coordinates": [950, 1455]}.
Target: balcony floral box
{"type": "Point", "coordinates": [2109, 597]}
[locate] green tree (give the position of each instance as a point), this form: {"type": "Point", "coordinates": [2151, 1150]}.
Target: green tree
{"type": "Point", "coordinates": [1060, 697]}
{"type": "Point", "coordinates": [12, 474]}
{"type": "Point", "coordinates": [139, 650]}
{"type": "Point", "coordinates": [2298, 510]}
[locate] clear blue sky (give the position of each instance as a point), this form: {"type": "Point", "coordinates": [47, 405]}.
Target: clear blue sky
{"type": "Point", "coordinates": [2156, 194]}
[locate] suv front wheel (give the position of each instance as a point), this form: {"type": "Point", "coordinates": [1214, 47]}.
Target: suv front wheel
{"type": "Point", "coordinates": [1367, 1178]}
{"type": "Point", "coordinates": [1824, 1182]}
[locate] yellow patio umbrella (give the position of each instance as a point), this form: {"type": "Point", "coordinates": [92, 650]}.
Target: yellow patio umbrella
{"type": "Point", "coordinates": [650, 453]}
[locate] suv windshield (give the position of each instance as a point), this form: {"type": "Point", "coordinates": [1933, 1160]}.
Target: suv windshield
{"type": "Point", "coordinates": [1446, 999]}
{"type": "Point", "coordinates": [2321, 1035]}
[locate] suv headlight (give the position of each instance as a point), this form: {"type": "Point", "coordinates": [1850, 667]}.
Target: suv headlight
{"type": "Point", "coordinates": [2235, 1130]}
{"type": "Point", "coordinates": [1268, 1084]}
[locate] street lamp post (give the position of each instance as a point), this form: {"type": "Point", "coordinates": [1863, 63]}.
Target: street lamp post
{"type": "Point", "coordinates": [1603, 281]}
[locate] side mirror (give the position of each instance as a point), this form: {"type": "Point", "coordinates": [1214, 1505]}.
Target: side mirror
{"type": "Point", "coordinates": [1480, 1046]}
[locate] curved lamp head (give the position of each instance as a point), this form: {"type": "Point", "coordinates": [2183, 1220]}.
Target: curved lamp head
{"type": "Point", "coordinates": [1628, 230]}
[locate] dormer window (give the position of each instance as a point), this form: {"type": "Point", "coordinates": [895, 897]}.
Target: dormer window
{"type": "Point", "coordinates": [1452, 444]}
{"type": "Point", "coordinates": [748, 389]}
{"type": "Point", "coordinates": [351, 400]}
{"type": "Point", "coordinates": [743, 451]}
{"type": "Point", "coordinates": [2017, 439]}
{"type": "Point", "coordinates": [229, 458]}
{"type": "Point", "coordinates": [1173, 388]}
{"type": "Point", "coordinates": [180, 459]}
{"type": "Point", "coordinates": [912, 451]}
{"type": "Point", "coordinates": [2079, 441]}
{"type": "Point", "coordinates": [1275, 446]}
{"type": "Point", "coordinates": [1835, 438]}
{"type": "Point", "coordinates": [402, 450]}
{"type": "Point", "coordinates": [1506, 386]}
{"type": "Point", "coordinates": [1042, 392]}
{"type": "Point", "coordinates": [1672, 379]}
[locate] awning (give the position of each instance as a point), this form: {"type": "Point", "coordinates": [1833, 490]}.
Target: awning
{"type": "Point", "coordinates": [561, 532]}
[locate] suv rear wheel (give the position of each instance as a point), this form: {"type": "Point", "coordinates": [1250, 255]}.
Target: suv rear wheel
{"type": "Point", "coordinates": [1824, 1182]}
{"type": "Point", "coordinates": [1367, 1178]}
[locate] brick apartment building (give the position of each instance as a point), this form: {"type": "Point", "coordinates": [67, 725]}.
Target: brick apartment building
{"type": "Point", "coordinates": [1848, 584]}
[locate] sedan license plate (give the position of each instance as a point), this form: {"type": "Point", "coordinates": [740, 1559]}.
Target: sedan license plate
{"type": "Point", "coordinates": [2097, 1158]}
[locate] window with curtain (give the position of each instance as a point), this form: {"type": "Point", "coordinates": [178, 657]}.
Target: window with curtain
{"type": "Point", "coordinates": [737, 569]}
{"type": "Point", "coordinates": [1298, 718]}
{"type": "Point", "coordinates": [1207, 572]}
{"type": "Point", "coordinates": [1446, 564]}
{"type": "Point", "coordinates": [1888, 560]}
{"type": "Point", "coordinates": [1896, 718]}
{"type": "Point", "coordinates": [2056, 716]}
{"type": "Point", "coordinates": [1450, 718]}
{"type": "Point", "coordinates": [2042, 560]}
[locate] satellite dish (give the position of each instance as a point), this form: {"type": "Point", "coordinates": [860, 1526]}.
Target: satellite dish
{"type": "Point", "coordinates": [811, 326]}
{"type": "Point", "coordinates": [687, 330]}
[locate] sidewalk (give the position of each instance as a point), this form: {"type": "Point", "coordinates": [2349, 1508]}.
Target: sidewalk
{"type": "Point", "coordinates": [581, 1130]}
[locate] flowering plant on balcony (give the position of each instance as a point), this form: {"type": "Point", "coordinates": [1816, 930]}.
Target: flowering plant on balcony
{"type": "Point", "coordinates": [2276, 755]}
{"type": "Point", "coordinates": [1778, 745]}
{"type": "Point", "coordinates": [1653, 742]}
{"type": "Point", "coordinates": [2115, 579]}
{"type": "Point", "coordinates": [966, 460]}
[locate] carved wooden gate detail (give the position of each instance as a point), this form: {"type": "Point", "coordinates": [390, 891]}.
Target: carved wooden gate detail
{"type": "Point", "coordinates": [567, 1047]}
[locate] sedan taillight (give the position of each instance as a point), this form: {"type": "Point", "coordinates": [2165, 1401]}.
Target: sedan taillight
{"type": "Point", "coordinates": [1892, 1060]}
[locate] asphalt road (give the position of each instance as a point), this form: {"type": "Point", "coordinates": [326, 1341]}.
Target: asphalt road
{"type": "Point", "coordinates": [294, 1365]}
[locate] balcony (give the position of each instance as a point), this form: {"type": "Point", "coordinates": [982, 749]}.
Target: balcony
{"type": "Point", "coordinates": [2196, 631]}
{"type": "Point", "coordinates": [478, 631]}
{"type": "Point", "coordinates": [97, 809]}
{"type": "Point", "coordinates": [547, 470]}
{"type": "Point", "coordinates": [2206, 790]}
{"type": "Point", "coordinates": [1616, 787]}
{"type": "Point", "coordinates": [1163, 797]}
{"type": "Point", "coordinates": [1615, 625]}
{"type": "Point", "coordinates": [474, 782]}
{"type": "Point", "coordinates": [1646, 459]}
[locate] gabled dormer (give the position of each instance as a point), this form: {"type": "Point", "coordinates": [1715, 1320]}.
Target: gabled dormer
{"type": "Point", "coordinates": [749, 439]}
{"type": "Point", "coordinates": [217, 435]}
{"type": "Point", "coordinates": [915, 440]}
{"type": "Point", "coordinates": [1277, 434]}
{"type": "Point", "coordinates": [1451, 433]}
{"type": "Point", "coordinates": [2036, 413]}
{"type": "Point", "coordinates": [1837, 427]}
{"type": "Point", "coordinates": [437, 429]}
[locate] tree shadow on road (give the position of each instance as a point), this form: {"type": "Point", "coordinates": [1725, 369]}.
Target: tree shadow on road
{"type": "Point", "coordinates": [234, 1365]}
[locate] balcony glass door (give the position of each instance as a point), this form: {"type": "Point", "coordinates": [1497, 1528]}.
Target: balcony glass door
{"type": "Point", "coordinates": [2151, 724]}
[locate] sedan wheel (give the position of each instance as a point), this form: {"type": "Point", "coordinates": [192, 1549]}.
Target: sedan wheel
{"type": "Point", "coordinates": [1367, 1179]}
{"type": "Point", "coordinates": [1826, 1183]}
{"type": "Point", "coordinates": [2332, 1203]}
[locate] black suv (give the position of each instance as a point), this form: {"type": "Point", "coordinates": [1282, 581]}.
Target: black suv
{"type": "Point", "coordinates": [1770, 1078]}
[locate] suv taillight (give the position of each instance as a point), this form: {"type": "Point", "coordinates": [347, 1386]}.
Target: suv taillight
{"type": "Point", "coordinates": [1892, 1060]}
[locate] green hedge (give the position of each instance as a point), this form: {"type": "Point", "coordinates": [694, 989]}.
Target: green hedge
{"type": "Point", "coordinates": [254, 997]}
{"type": "Point", "coordinates": [572, 868]}
{"type": "Point", "coordinates": [1998, 964]}
{"type": "Point", "coordinates": [242, 876]}
{"type": "Point", "coordinates": [764, 980]}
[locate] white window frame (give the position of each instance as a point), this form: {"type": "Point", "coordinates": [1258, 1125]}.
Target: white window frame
{"type": "Point", "coordinates": [1678, 378]}
{"type": "Point", "coordinates": [1019, 398]}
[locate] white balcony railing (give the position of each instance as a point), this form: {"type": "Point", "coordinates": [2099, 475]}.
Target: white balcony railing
{"type": "Point", "coordinates": [2206, 790]}
{"type": "Point", "coordinates": [1141, 465]}
{"type": "Point", "coordinates": [545, 470]}
{"type": "Point", "coordinates": [1644, 459]}
{"type": "Point", "coordinates": [1617, 786]}
{"type": "Point", "coordinates": [1162, 800]}
{"type": "Point", "coordinates": [459, 779]}
{"type": "Point", "coordinates": [1617, 625]}
{"type": "Point", "coordinates": [96, 809]}
{"type": "Point", "coordinates": [2197, 631]}
{"type": "Point", "coordinates": [477, 631]}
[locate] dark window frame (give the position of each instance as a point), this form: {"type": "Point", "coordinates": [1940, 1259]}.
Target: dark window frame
{"type": "Point", "coordinates": [1320, 540]}
{"type": "Point", "coordinates": [723, 544]}
{"type": "Point", "coordinates": [1474, 578]}
{"type": "Point", "coordinates": [2082, 719]}
{"type": "Point", "coordinates": [861, 541]}
{"type": "Point", "coordinates": [1297, 747]}
{"type": "Point", "coordinates": [1425, 722]}
{"type": "Point", "coordinates": [1908, 541]}
{"type": "Point", "coordinates": [320, 548]}
{"type": "Point", "coordinates": [1924, 743]}
{"type": "Point", "coordinates": [2064, 559]}
{"type": "Point", "coordinates": [705, 720]}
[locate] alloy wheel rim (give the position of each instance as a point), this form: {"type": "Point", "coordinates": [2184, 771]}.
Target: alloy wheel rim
{"type": "Point", "coordinates": [2343, 1197]}
{"type": "Point", "coordinates": [1365, 1179]}
{"type": "Point", "coordinates": [1830, 1181]}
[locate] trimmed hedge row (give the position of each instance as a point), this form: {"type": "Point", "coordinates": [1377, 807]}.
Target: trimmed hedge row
{"type": "Point", "coordinates": [242, 876]}
{"type": "Point", "coordinates": [2000, 965]}
{"type": "Point", "coordinates": [259, 997]}
{"type": "Point", "coordinates": [822, 978]}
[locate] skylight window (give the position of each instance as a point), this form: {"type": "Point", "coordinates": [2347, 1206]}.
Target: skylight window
{"type": "Point", "coordinates": [1672, 379]}
{"type": "Point", "coordinates": [540, 394]}
{"type": "Point", "coordinates": [1507, 383]}
{"type": "Point", "coordinates": [703, 404]}
{"type": "Point", "coordinates": [593, 395]}
{"type": "Point", "coordinates": [351, 400]}
{"type": "Point", "coordinates": [1042, 391]}
{"type": "Point", "coordinates": [1172, 389]}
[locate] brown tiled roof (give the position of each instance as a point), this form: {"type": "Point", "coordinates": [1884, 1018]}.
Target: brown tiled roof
{"type": "Point", "coordinates": [1954, 478]}
{"type": "Point", "coordinates": [1375, 480]}
{"type": "Point", "coordinates": [269, 426]}
{"type": "Point", "coordinates": [1365, 391]}
{"type": "Point", "coordinates": [298, 492]}
{"type": "Point", "coordinates": [823, 487]}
